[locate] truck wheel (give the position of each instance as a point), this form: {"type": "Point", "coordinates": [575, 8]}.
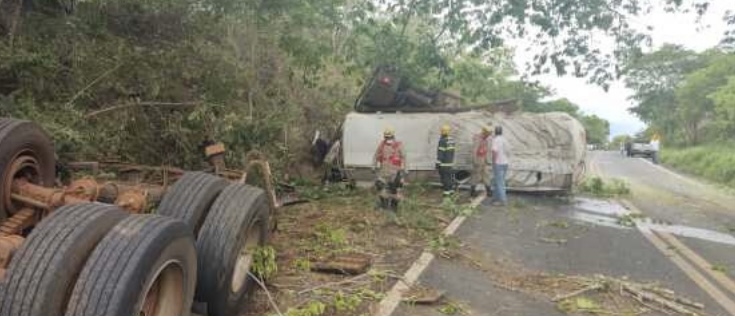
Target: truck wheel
{"type": "Point", "coordinates": [190, 197]}
{"type": "Point", "coordinates": [235, 226]}
{"type": "Point", "coordinates": [25, 152]}
{"type": "Point", "coordinates": [44, 270]}
{"type": "Point", "coordinates": [146, 265]}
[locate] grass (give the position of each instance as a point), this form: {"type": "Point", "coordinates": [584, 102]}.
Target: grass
{"type": "Point", "coordinates": [719, 268]}
{"type": "Point", "coordinates": [596, 186]}
{"type": "Point", "coordinates": [452, 308]}
{"type": "Point", "coordinates": [714, 162]}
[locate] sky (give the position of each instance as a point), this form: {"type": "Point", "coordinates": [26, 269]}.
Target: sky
{"type": "Point", "coordinates": [679, 28]}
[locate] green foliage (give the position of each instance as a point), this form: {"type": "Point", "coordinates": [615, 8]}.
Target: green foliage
{"type": "Point", "coordinates": [715, 162]}
{"type": "Point", "coordinates": [329, 236]}
{"type": "Point", "coordinates": [452, 207]}
{"type": "Point", "coordinates": [719, 268]}
{"type": "Point", "coordinates": [264, 74]}
{"type": "Point", "coordinates": [452, 309]}
{"type": "Point", "coordinates": [597, 186]}
{"type": "Point", "coordinates": [597, 129]}
{"type": "Point", "coordinates": [346, 303]}
{"type": "Point", "coordinates": [619, 140]}
{"type": "Point", "coordinates": [264, 262]}
{"type": "Point", "coordinates": [629, 220]}
{"type": "Point", "coordinates": [412, 213]}
{"type": "Point", "coordinates": [684, 96]}
{"type": "Point", "coordinates": [313, 308]}
{"type": "Point", "coordinates": [442, 244]}
{"type": "Point", "coordinates": [303, 264]}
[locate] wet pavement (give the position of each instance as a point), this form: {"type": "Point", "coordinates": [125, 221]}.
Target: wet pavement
{"type": "Point", "coordinates": [585, 237]}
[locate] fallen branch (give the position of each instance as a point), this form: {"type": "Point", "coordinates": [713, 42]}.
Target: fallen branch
{"type": "Point", "coordinates": [333, 284]}
{"type": "Point", "coordinates": [647, 296]}
{"type": "Point", "coordinates": [267, 293]}
{"type": "Point", "coordinates": [92, 83]}
{"type": "Point", "coordinates": [140, 104]}
{"type": "Point", "coordinates": [671, 295]}
{"type": "Point", "coordinates": [578, 292]}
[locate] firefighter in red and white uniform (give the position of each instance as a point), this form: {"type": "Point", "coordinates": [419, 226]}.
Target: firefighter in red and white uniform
{"type": "Point", "coordinates": [390, 164]}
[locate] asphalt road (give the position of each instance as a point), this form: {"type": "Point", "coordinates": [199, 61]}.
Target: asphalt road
{"type": "Point", "coordinates": [583, 237]}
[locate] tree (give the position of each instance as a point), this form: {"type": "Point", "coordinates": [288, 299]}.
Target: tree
{"type": "Point", "coordinates": [694, 95]}
{"type": "Point", "coordinates": [260, 73]}
{"type": "Point", "coordinates": [724, 102]}
{"type": "Point", "coordinates": [558, 105]}
{"type": "Point", "coordinates": [598, 129]}
{"type": "Point", "coordinates": [620, 140]}
{"type": "Point", "coordinates": [654, 78]}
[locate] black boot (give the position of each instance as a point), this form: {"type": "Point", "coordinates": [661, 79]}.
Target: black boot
{"type": "Point", "coordinates": [393, 204]}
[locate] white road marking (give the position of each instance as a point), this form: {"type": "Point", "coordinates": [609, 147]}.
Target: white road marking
{"type": "Point", "coordinates": [393, 298]}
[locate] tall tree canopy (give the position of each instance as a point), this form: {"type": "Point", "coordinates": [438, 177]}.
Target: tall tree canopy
{"type": "Point", "coordinates": [683, 94]}
{"type": "Point", "coordinates": [265, 73]}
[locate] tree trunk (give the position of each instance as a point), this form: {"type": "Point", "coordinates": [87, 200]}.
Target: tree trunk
{"type": "Point", "coordinates": [14, 21]}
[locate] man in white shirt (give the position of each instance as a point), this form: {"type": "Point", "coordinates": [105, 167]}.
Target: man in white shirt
{"type": "Point", "coordinates": [500, 153]}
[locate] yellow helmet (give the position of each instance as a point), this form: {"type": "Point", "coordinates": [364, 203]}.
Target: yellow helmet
{"type": "Point", "coordinates": [486, 129]}
{"type": "Point", "coordinates": [389, 132]}
{"type": "Point", "coordinates": [446, 129]}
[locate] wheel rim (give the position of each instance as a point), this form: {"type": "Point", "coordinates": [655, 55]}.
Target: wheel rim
{"type": "Point", "coordinates": [164, 296]}
{"type": "Point", "coordinates": [245, 258]}
{"type": "Point", "coordinates": [23, 165]}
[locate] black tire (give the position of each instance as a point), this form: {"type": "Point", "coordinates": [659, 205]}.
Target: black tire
{"type": "Point", "coordinates": [237, 218]}
{"type": "Point", "coordinates": [45, 268]}
{"type": "Point", "coordinates": [190, 197]}
{"type": "Point", "coordinates": [20, 137]}
{"type": "Point", "coordinates": [124, 265]}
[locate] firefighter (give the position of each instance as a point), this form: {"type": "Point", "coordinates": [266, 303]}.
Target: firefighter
{"type": "Point", "coordinates": [479, 161]}
{"type": "Point", "coordinates": [445, 160]}
{"type": "Point", "coordinates": [389, 162]}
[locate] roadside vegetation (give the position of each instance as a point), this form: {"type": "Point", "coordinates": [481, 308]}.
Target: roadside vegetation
{"type": "Point", "coordinates": [714, 162]}
{"type": "Point", "coordinates": [600, 187]}
{"type": "Point", "coordinates": [149, 81]}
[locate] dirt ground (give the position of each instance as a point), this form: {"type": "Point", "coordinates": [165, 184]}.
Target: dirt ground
{"type": "Point", "coordinates": [338, 222]}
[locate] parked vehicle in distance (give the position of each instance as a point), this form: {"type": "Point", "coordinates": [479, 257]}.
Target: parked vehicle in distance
{"type": "Point", "coordinates": [641, 147]}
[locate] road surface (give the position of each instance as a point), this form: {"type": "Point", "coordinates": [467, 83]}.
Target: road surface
{"type": "Point", "coordinates": [684, 243]}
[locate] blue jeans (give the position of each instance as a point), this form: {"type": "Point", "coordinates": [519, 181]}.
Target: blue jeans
{"type": "Point", "coordinates": [499, 172]}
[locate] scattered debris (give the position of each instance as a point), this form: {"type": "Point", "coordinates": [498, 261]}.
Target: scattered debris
{"type": "Point", "coordinates": [650, 297]}
{"type": "Point", "coordinates": [561, 224]}
{"type": "Point", "coordinates": [598, 294]}
{"type": "Point", "coordinates": [629, 220]}
{"type": "Point", "coordinates": [579, 292]}
{"type": "Point", "coordinates": [452, 308]}
{"type": "Point", "coordinates": [324, 245]}
{"type": "Point", "coordinates": [349, 263]}
{"type": "Point", "coordinates": [581, 305]}
{"type": "Point", "coordinates": [421, 295]}
{"type": "Point", "coordinates": [553, 240]}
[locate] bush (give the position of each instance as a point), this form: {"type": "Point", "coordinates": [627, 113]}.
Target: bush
{"type": "Point", "coordinates": [712, 162]}
{"type": "Point", "coordinates": [604, 188]}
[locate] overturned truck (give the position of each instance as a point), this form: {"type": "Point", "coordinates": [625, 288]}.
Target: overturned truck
{"type": "Point", "coordinates": [548, 150]}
